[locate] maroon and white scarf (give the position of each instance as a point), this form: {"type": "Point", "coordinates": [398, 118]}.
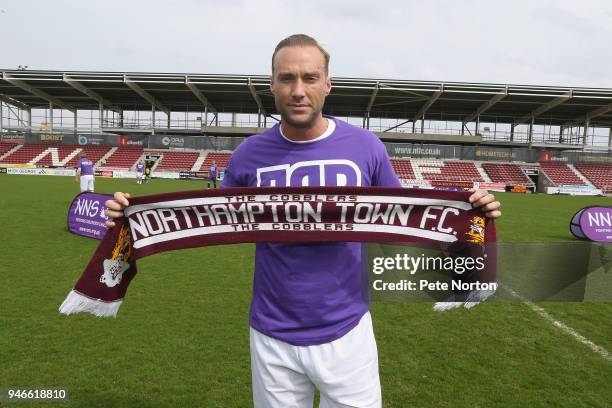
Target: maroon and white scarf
{"type": "Point", "coordinates": [190, 219]}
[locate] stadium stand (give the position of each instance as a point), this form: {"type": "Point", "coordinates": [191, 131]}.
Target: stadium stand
{"type": "Point", "coordinates": [25, 154]}
{"type": "Point", "coordinates": [124, 158]}
{"type": "Point", "coordinates": [50, 155]}
{"type": "Point", "coordinates": [172, 160]}
{"type": "Point", "coordinates": [220, 158]}
{"type": "Point", "coordinates": [94, 153]}
{"type": "Point", "coordinates": [403, 169]}
{"type": "Point", "coordinates": [560, 174]}
{"type": "Point", "coordinates": [445, 170]}
{"type": "Point", "coordinates": [6, 146]}
{"type": "Point", "coordinates": [598, 174]}
{"type": "Point", "coordinates": [506, 173]}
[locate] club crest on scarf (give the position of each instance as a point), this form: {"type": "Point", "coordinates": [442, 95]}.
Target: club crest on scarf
{"type": "Point", "coordinates": [476, 233]}
{"type": "Point", "coordinates": [118, 264]}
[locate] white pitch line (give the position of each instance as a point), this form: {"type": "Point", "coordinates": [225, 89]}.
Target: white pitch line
{"type": "Point", "coordinates": [605, 354]}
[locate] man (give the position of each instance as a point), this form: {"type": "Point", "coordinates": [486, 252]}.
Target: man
{"type": "Point", "coordinates": [147, 172]}
{"type": "Point", "coordinates": [140, 172]}
{"type": "Point", "coordinates": [85, 172]}
{"type": "Point", "coordinates": [212, 175]}
{"type": "Point", "coordinates": [310, 324]}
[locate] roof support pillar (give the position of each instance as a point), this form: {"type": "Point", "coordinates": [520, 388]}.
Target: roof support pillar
{"type": "Point", "coordinates": [50, 117]}
{"type": "Point", "coordinates": [366, 117]}
{"type": "Point", "coordinates": [76, 120]}
{"type": "Point", "coordinates": [530, 137]}
{"type": "Point", "coordinates": [152, 119]}
{"type": "Point", "coordinates": [610, 139]}
{"type": "Point", "coordinates": [1, 117]}
{"type": "Point", "coordinates": [101, 115]}
{"type": "Point", "coordinates": [585, 131]}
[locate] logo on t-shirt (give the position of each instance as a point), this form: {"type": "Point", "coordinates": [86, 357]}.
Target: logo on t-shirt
{"type": "Point", "coordinates": [310, 173]}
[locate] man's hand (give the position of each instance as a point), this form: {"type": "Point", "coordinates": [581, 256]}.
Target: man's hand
{"type": "Point", "coordinates": [115, 207]}
{"type": "Point", "coordinates": [486, 202]}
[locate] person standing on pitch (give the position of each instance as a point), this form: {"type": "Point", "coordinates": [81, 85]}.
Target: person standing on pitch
{"type": "Point", "coordinates": [310, 325]}
{"type": "Point", "coordinates": [85, 172]}
{"type": "Point", "coordinates": [212, 175]}
{"type": "Point", "coordinates": [140, 172]}
{"type": "Point", "coordinates": [147, 172]}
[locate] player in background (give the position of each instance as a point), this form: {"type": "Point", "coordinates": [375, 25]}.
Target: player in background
{"type": "Point", "coordinates": [85, 172]}
{"type": "Point", "coordinates": [140, 172]}
{"type": "Point", "coordinates": [212, 175]}
{"type": "Point", "coordinates": [147, 172]}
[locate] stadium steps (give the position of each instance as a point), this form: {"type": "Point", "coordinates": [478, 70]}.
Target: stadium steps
{"type": "Point", "coordinates": [560, 173]}
{"type": "Point", "coordinates": [580, 175]}
{"type": "Point", "coordinates": [600, 175]}
{"type": "Point", "coordinates": [10, 151]}
{"type": "Point", "coordinates": [420, 166]}
{"type": "Point", "coordinates": [451, 170]}
{"type": "Point", "coordinates": [155, 165]}
{"type": "Point", "coordinates": [106, 156]}
{"type": "Point", "coordinates": [70, 157]}
{"type": "Point", "coordinates": [56, 159]}
{"type": "Point", "coordinates": [198, 163]}
{"type": "Point", "coordinates": [483, 174]}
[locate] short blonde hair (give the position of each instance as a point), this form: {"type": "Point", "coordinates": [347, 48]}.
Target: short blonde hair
{"type": "Point", "coordinates": [301, 40]}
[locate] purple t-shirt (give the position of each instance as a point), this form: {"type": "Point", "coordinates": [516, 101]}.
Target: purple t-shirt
{"type": "Point", "coordinates": [86, 167]}
{"type": "Point", "coordinates": [309, 294]}
{"type": "Point", "coordinates": [139, 168]}
{"type": "Point", "coordinates": [213, 171]}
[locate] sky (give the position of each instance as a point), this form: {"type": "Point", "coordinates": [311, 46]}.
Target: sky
{"type": "Point", "coordinates": [541, 42]}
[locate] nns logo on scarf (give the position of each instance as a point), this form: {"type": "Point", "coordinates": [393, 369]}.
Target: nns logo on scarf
{"type": "Point", "coordinates": [310, 173]}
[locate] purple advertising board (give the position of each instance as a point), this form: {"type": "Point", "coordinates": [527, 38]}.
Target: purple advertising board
{"type": "Point", "coordinates": [86, 215]}
{"type": "Point", "coordinates": [593, 223]}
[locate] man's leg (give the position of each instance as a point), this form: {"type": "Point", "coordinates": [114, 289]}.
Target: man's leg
{"type": "Point", "coordinates": [90, 186]}
{"type": "Point", "coordinates": [278, 378]}
{"type": "Point", "coordinates": [346, 370]}
{"type": "Point", "coordinates": [83, 183]}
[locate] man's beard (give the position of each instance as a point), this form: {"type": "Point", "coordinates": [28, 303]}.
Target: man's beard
{"type": "Point", "coordinates": [308, 122]}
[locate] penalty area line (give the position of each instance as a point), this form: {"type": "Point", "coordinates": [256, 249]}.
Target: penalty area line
{"type": "Point", "coordinates": [602, 352]}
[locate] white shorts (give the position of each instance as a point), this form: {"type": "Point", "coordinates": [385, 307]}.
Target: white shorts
{"type": "Point", "coordinates": [344, 371]}
{"type": "Point", "coordinates": [139, 175]}
{"type": "Point", "coordinates": [87, 183]}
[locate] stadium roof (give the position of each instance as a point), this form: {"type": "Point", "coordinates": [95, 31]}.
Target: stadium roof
{"type": "Point", "coordinates": [350, 97]}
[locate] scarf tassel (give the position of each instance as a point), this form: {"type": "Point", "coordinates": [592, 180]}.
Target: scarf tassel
{"type": "Point", "coordinates": [76, 302]}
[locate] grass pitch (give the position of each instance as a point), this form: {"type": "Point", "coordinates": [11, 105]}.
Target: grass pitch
{"type": "Point", "coordinates": [181, 336]}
